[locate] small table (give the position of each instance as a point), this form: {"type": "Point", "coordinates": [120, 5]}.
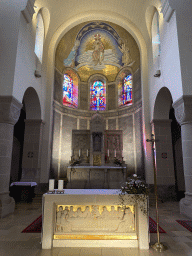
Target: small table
{"type": "Point", "coordinates": [23, 191]}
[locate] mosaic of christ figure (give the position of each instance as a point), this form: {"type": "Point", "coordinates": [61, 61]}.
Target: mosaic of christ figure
{"type": "Point", "coordinates": [98, 53]}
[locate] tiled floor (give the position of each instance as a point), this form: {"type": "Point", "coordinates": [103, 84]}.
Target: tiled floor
{"type": "Point", "coordinates": [14, 243]}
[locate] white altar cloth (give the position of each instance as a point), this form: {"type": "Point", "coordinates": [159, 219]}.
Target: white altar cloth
{"type": "Point", "coordinates": [92, 198]}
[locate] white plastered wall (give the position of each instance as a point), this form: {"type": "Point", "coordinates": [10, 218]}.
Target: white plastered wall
{"type": "Point", "coordinates": [169, 63]}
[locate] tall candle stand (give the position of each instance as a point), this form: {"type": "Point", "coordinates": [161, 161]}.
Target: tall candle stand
{"type": "Point", "coordinates": [157, 246]}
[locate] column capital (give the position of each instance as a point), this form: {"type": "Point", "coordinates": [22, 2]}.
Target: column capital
{"type": "Point", "coordinates": [34, 121]}
{"type": "Point", "coordinates": [161, 122]}
{"type": "Point", "coordinates": [10, 109]}
{"type": "Point", "coordinates": [183, 109]}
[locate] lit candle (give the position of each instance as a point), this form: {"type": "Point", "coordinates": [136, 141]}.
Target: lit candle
{"type": "Point", "coordinates": [60, 185]}
{"type": "Point", "coordinates": [79, 152]}
{"type": "Point", "coordinates": [51, 184]}
{"type": "Point", "coordinates": [115, 153]}
{"type": "Point", "coordinates": [108, 152]}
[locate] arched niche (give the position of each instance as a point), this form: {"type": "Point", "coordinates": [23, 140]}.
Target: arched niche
{"type": "Point", "coordinates": [163, 104]}
{"type": "Point", "coordinates": [32, 104]}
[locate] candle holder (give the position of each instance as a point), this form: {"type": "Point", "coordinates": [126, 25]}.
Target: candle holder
{"type": "Point", "coordinates": [59, 192]}
{"type": "Point", "coordinates": [51, 186]}
{"type": "Point", "coordinates": [87, 159]}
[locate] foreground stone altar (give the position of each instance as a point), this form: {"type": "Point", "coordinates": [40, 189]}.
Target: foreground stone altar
{"type": "Point", "coordinates": [93, 218]}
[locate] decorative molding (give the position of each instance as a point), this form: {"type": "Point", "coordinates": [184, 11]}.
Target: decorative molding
{"type": "Point", "coordinates": [183, 109]}
{"type": "Point", "coordinates": [28, 11]}
{"type": "Point", "coordinates": [88, 114]}
{"type": "Point", "coordinates": [166, 10]}
{"type": "Point", "coordinates": [34, 121]}
{"type": "Point", "coordinates": [161, 121]}
{"type": "Point", "coordinates": [10, 109]}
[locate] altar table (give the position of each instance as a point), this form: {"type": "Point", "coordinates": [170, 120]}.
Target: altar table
{"type": "Point", "coordinates": [93, 218]}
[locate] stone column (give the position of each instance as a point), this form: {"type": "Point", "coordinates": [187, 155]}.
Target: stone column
{"type": "Point", "coordinates": [183, 114]}
{"type": "Point", "coordinates": [164, 158]}
{"type": "Point", "coordinates": [32, 150]}
{"type": "Point", "coordinates": [9, 114]}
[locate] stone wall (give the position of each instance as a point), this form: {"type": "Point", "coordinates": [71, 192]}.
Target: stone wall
{"type": "Point", "coordinates": [128, 119]}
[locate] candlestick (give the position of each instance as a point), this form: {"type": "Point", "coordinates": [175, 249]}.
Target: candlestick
{"type": "Point", "coordinates": [108, 152]}
{"type": "Point", "coordinates": [115, 153]}
{"type": "Point", "coordinates": [122, 153]}
{"type": "Point", "coordinates": [60, 185]}
{"type": "Point", "coordinates": [87, 152]}
{"type": "Point", "coordinates": [79, 152]}
{"type": "Point", "coordinates": [51, 184]}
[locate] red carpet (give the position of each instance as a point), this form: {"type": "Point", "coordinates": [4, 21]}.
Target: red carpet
{"type": "Point", "coordinates": [186, 224]}
{"type": "Point", "coordinates": [35, 226]}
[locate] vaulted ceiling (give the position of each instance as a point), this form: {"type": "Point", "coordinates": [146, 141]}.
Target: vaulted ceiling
{"type": "Point", "coordinates": [138, 13]}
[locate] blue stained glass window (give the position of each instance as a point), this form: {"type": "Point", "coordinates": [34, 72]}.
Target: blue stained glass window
{"type": "Point", "coordinates": [98, 96]}
{"type": "Point", "coordinates": [69, 92]}
{"type": "Point", "coordinates": [125, 91]}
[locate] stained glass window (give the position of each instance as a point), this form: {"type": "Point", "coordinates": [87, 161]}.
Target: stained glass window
{"type": "Point", "coordinates": [39, 37]}
{"type": "Point", "coordinates": [155, 36]}
{"type": "Point", "coordinates": [97, 96]}
{"type": "Point", "coordinates": [70, 92]}
{"type": "Point", "coordinates": [125, 91]}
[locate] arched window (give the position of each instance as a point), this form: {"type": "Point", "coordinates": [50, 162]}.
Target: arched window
{"type": "Point", "coordinates": [39, 37]}
{"type": "Point", "coordinates": [70, 92]}
{"type": "Point", "coordinates": [97, 95]}
{"type": "Point", "coordinates": [155, 36]}
{"type": "Point", "coordinates": [125, 91]}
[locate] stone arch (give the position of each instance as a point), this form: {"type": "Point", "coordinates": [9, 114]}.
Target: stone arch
{"type": "Point", "coordinates": [163, 104]}
{"type": "Point", "coordinates": [32, 104]}
{"type": "Point", "coordinates": [135, 32]}
{"type": "Point", "coordinates": [32, 137]}
{"type": "Point", "coordinates": [148, 17]}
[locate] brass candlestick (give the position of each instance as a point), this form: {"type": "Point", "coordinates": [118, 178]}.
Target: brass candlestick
{"type": "Point", "coordinates": [157, 246]}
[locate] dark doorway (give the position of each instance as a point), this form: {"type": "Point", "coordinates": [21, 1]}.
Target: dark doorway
{"type": "Point", "coordinates": [177, 155]}
{"type": "Point", "coordinates": [17, 152]}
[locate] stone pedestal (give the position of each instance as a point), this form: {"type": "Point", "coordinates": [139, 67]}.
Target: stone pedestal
{"type": "Point", "coordinates": [183, 114]}
{"type": "Point", "coordinates": [9, 115]}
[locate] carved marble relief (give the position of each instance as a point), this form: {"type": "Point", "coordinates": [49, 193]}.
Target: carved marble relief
{"type": "Point", "coordinates": [97, 218]}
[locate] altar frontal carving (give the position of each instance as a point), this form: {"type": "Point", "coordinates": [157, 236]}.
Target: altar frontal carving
{"type": "Point", "coordinates": [109, 220]}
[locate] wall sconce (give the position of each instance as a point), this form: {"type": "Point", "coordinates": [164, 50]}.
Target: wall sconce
{"type": "Point", "coordinates": [37, 74]}
{"type": "Point", "coordinates": [157, 73]}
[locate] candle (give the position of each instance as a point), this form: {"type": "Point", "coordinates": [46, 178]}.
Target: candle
{"type": "Point", "coordinates": [122, 153]}
{"type": "Point", "coordinates": [60, 185]}
{"type": "Point", "coordinates": [87, 152]}
{"type": "Point", "coordinates": [108, 152]}
{"type": "Point", "coordinates": [51, 184]}
{"type": "Point", "coordinates": [115, 153]}
{"type": "Point", "coordinates": [79, 152]}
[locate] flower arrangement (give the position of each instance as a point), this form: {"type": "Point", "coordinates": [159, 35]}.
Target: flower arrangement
{"type": "Point", "coordinates": [139, 189]}
{"type": "Point", "coordinates": [135, 186]}
{"type": "Point", "coordinates": [117, 162]}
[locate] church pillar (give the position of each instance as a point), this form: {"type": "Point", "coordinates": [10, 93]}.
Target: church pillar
{"type": "Point", "coordinates": [164, 158]}
{"type": "Point", "coordinates": [32, 150]}
{"type": "Point", "coordinates": [9, 114]}
{"type": "Point", "coordinates": [183, 114]}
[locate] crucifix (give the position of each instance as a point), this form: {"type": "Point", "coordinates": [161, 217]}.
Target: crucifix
{"type": "Point", "coordinates": [157, 246]}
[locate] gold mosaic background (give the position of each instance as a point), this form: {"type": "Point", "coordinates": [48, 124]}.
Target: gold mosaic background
{"type": "Point", "coordinates": [67, 42]}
